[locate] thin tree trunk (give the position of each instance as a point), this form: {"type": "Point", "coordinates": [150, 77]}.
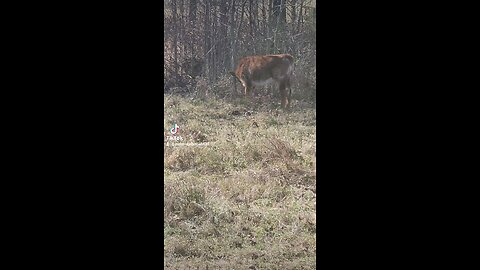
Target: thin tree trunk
{"type": "Point", "coordinates": [207, 41]}
{"type": "Point", "coordinates": [232, 35]}
{"type": "Point", "coordinates": [175, 50]}
{"type": "Point", "coordinates": [300, 16]}
{"type": "Point", "coordinates": [250, 18]}
{"type": "Point", "coordinates": [294, 14]}
{"type": "Point", "coordinates": [215, 43]}
{"type": "Point", "coordinates": [232, 45]}
{"type": "Point", "coordinates": [182, 31]}
{"type": "Point", "coordinates": [223, 46]}
{"type": "Point", "coordinates": [192, 18]}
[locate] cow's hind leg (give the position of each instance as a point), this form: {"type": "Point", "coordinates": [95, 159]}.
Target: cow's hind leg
{"type": "Point", "coordinates": [287, 85]}
{"type": "Point", "coordinates": [284, 95]}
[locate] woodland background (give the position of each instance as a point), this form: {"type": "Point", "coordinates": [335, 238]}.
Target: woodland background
{"type": "Point", "coordinates": [204, 39]}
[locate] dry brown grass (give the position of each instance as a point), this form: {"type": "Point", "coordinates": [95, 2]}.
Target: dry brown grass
{"type": "Point", "coordinates": [247, 199]}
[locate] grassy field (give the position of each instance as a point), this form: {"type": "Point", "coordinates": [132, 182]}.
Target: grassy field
{"type": "Point", "coordinates": [240, 191]}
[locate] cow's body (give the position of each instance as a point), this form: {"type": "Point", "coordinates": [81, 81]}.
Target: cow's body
{"type": "Point", "coordinates": [255, 71]}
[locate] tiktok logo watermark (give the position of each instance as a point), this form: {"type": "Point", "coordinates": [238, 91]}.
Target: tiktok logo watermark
{"type": "Point", "coordinates": [172, 137]}
{"type": "Point", "coordinates": [174, 129]}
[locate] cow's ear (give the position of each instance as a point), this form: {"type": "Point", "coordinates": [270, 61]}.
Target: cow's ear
{"type": "Point", "coordinates": [233, 73]}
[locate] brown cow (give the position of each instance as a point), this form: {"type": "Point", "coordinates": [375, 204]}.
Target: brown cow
{"type": "Point", "coordinates": [260, 70]}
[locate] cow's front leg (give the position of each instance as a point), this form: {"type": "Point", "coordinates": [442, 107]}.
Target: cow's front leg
{"type": "Point", "coordinates": [249, 90]}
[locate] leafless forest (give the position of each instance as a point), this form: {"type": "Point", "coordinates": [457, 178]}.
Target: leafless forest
{"type": "Point", "coordinates": [205, 38]}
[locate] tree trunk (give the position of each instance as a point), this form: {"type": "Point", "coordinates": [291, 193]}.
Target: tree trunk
{"type": "Point", "coordinates": [293, 14]}
{"type": "Point", "coordinates": [181, 32]}
{"type": "Point", "coordinates": [223, 46]}
{"type": "Point", "coordinates": [175, 51]}
{"type": "Point", "coordinates": [250, 18]}
{"type": "Point", "coordinates": [215, 42]}
{"type": "Point", "coordinates": [280, 11]}
{"type": "Point", "coordinates": [207, 41]}
{"type": "Point", "coordinates": [192, 19]}
{"type": "Point", "coordinates": [231, 61]}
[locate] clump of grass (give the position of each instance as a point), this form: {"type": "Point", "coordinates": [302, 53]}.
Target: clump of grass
{"type": "Point", "coordinates": [179, 159]}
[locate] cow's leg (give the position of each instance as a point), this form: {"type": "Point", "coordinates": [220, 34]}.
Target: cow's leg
{"type": "Point", "coordinates": [235, 86]}
{"type": "Point", "coordinates": [254, 91]}
{"type": "Point", "coordinates": [283, 94]}
{"type": "Point", "coordinates": [287, 85]}
{"type": "Point", "coordinates": [248, 90]}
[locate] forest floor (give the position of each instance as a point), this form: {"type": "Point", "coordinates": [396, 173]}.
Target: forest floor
{"type": "Point", "coordinates": [240, 184]}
